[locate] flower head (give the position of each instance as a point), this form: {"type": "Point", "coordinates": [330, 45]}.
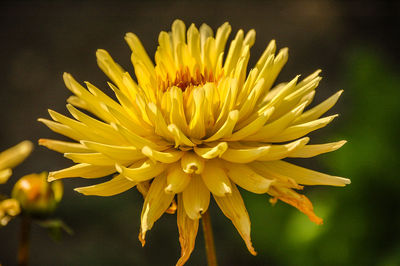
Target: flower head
{"type": "Point", "coordinates": [10, 158]}
{"type": "Point", "coordinates": [195, 122]}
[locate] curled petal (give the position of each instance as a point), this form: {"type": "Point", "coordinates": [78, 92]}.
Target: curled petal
{"type": "Point", "coordinates": [196, 198]}
{"type": "Point", "coordinates": [211, 152]}
{"type": "Point", "coordinates": [191, 163]}
{"type": "Point", "coordinates": [216, 179]}
{"type": "Point", "coordinates": [169, 156]}
{"type": "Point", "coordinates": [141, 171]}
{"type": "Point", "coordinates": [177, 180]}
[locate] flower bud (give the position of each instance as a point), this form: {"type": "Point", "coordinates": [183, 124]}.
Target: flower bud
{"type": "Point", "coordinates": [37, 196]}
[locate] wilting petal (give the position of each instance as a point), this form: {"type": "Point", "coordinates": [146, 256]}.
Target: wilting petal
{"type": "Point", "coordinates": [187, 232]}
{"type": "Point", "coordinates": [116, 185]}
{"type": "Point", "coordinates": [232, 206]}
{"type": "Point", "coordinates": [302, 175]}
{"type": "Point", "coordinates": [301, 202]}
{"type": "Point", "coordinates": [196, 198]}
{"type": "Point", "coordinates": [216, 179]}
{"type": "Point", "coordinates": [155, 204]}
{"type": "Point", "coordinates": [246, 178]}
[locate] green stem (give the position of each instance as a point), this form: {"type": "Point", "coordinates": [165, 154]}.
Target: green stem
{"type": "Point", "coordinates": [23, 249]}
{"type": "Point", "coordinates": [209, 239]}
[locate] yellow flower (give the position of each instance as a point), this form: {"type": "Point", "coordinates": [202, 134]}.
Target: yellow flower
{"type": "Point", "coordinates": [196, 121]}
{"type": "Point", "coordinates": [8, 159]}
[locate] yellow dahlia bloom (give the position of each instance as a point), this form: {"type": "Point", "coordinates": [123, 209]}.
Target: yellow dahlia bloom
{"type": "Point", "coordinates": [10, 158]}
{"type": "Point", "coordinates": [195, 122]}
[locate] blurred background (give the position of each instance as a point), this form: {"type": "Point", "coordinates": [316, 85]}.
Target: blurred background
{"type": "Point", "coordinates": [355, 43]}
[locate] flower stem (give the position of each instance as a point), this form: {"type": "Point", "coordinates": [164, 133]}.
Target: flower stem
{"type": "Point", "coordinates": [23, 249]}
{"type": "Point", "coordinates": [209, 239]}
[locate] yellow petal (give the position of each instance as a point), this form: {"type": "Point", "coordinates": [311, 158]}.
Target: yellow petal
{"type": "Point", "coordinates": [212, 152]}
{"type": "Point", "coordinates": [62, 129]}
{"type": "Point", "coordinates": [138, 50]}
{"type": "Point", "coordinates": [196, 198]}
{"type": "Point", "coordinates": [177, 180]}
{"type": "Point", "coordinates": [15, 155]}
{"type": "Point", "coordinates": [118, 153]}
{"type": "Point", "coordinates": [63, 146]}
{"type": "Point", "coordinates": [116, 185]}
{"type": "Point", "coordinates": [297, 131]}
{"type": "Point", "coordinates": [233, 207]}
{"type": "Point", "coordinates": [320, 109]}
{"type": "Point", "coordinates": [5, 175]}
{"type": "Point", "coordinates": [277, 152]}
{"type": "Point", "coordinates": [314, 150]}
{"type": "Point", "coordinates": [245, 155]}
{"type": "Point", "coordinates": [155, 204]}
{"type": "Point", "coordinates": [253, 127]}
{"type": "Point", "coordinates": [227, 127]}
{"type": "Point", "coordinates": [82, 170]}
{"type": "Point", "coordinates": [168, 156]}
{"type": "Point", "coordinates": [91, 158]}
{"type": "Point", "coordinates": [276, 127]}
{"type": "Point", "coordinates": [141, 170]}
{"type": "Point", "coordinates": [187, 232]}
{"type": "Point", "coordinates": [191, 163]}
{"type": "Point", "coordinates": [216, 179]}
{"type": "Point", "coordinates": [246, 178]}
{"type": "Point", "coordinates": [179, 136]}
{"type": "Point", "coordinates": [302, 175]}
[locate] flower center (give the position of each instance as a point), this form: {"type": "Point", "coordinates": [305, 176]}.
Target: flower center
{"type": "Point", "coordinates": [184, 79]}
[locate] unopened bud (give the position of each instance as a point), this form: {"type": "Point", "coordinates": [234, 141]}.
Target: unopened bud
{"type": "Point", "coordinates": [37, 196]}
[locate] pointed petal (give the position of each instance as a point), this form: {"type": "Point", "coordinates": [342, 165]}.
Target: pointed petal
{"type": "Point", "coordinates": [63, 146]}
{"type": "Point", "coordinates": [314, 150]}
{"type": "Point", "coordinates": [245, 155]}
{"type": "Point", "coordinates": [82, 170]}
{"type": "Point", "coordinates": [116, 185]}
{"type": "Point", "coordinates": [277, 152]}
{"type": "Point", "coordinates": [302, 175]}
{"type": "Point", "coordinates": [233, 207]}
{"type": "Point", "coordinates": [187, 232]}
{"type": "Point", "coordinates": [226, 128]}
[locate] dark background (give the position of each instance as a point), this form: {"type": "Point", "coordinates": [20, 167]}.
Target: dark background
{"type": "Point", "coordinates": [355, 43]}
